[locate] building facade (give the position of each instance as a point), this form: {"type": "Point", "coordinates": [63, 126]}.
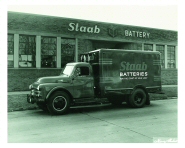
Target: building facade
{"type": "Point", "coordinates": [40, 45]}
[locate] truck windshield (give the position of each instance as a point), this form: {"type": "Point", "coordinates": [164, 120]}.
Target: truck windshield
{"type": "Point", "coordinates": [68, 70]}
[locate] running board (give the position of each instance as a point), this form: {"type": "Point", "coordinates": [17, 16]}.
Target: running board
{"type": "Point", "coordinates": [90, 100]}
{"type": "Point", "coordinates": [90, 105]}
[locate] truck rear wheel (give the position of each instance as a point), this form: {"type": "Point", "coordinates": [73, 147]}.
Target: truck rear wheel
{"type": "Point", "coordinates": [137, 98]}
{"type": "Point", "coordinates": [59, 103]}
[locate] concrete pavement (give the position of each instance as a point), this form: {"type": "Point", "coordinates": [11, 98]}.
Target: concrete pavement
{"type": "Point", "coordinates": [103, 124]}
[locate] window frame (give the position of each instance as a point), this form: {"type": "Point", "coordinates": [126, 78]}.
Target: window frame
{"type": "Point", "coordinates": [162, 56]}
{"type": "Point", "coordinates": [169, 47]}
{"type": "Point", "coordinates": [166, 57]}
{"type": "Point", "coordinates": [65, 42]}
{"type": "Point", "coordinates": [12, 50]}
{"type": "Point", "coordinates": [146, 45]}
{"type": "Point", "coordinates": [27, 51]}
{"type": "Point", "coordinates": [50, 58]}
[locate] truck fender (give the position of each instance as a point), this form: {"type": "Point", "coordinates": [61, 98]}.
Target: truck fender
{"type": "Point", "coordinates": [53, 90]}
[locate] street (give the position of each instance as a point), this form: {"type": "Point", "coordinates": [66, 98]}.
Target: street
{"type": "Point", "coordinates": [102, 124]}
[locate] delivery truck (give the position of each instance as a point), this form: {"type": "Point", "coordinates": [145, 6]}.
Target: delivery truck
{"type": "Point", "coordinates": [102, 75]}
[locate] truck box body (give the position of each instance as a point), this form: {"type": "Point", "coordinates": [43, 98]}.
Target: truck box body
{"type": "Point", "coordinates": [123, 70]}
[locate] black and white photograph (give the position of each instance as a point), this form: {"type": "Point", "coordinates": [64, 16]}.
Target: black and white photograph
{"type": "Point", "coordinates": [92, 73]}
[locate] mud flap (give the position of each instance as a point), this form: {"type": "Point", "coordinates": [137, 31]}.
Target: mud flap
{"type": "Point", "coordinates": [147, 100]}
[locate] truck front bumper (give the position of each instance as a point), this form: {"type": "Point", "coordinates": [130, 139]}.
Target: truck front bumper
{"type": "Point", "coordinates": [31, 99]}
{"type": "Point", "coordinates": [34, 99]}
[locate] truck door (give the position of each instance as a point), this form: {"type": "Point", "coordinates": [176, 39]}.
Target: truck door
{"type": "Point", "coordinates": [83, 82]}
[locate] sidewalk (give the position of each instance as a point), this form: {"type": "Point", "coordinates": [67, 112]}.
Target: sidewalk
{"type": "Point", "coordinates": [18, 93]}
{"type": "Point", "coordinates": [169, 86]}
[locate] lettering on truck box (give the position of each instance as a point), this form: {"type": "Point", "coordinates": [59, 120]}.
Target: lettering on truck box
{"type": "Point", "coordinates": [136, 71]}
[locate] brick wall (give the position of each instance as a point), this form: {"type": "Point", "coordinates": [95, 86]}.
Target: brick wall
{"type": "Point", "coordinates": [20, 79]}
{"type": "Point", "coordinates": [129, 46]}
{"type": "Point", "coordinates": [84, 45]}
{"type": "Point", "coordinates": [169, 77]}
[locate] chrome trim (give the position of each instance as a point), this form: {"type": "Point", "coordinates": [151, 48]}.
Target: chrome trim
{"type": "Point", "coordinates": [30, 86]}
{"type": "Point", "coordinates": [154, 87]}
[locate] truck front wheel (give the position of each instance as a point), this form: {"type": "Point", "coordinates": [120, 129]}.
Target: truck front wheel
{"type": "Point", "coordinates": [137, 98]}
{"type": "Point", "coordinates": [59, 103]}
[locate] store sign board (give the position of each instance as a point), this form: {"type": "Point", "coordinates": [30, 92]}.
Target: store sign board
{"type": "Point", "coordinates": [26, 23]}
{"type": "Point", "coordinates": [137, 34]}
{"type": "Point", "coordinates": [77, 27]}
{"type": "Point", "coordinates": [111, 31]}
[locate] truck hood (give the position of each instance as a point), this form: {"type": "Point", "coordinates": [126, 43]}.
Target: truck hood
{"type": "Point", "coordinates": [54, 79]}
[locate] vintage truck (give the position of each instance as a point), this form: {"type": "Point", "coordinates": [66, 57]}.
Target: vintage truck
{"type": "Point", "coordinates": [115, 75]}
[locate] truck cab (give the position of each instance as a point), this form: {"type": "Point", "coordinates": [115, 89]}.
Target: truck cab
{"type": "Point", "coordinates": [82, 79]}
{"type": "Point", "coordinates": [75, 82]}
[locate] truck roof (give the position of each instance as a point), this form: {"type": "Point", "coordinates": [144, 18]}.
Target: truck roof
{"type": "Point", "coordinates": [78, 63]}
{"type": "Point", "coordinates": [126, 50]}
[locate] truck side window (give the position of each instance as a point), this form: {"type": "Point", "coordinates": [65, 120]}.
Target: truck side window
{"type": "Point", "coordinates": [78, 71]}
{"type": "Point", "coordinates": [82, 71]}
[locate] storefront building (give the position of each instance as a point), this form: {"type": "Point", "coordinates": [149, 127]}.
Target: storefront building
{"type": "Point", "coordinates": [41, 45]}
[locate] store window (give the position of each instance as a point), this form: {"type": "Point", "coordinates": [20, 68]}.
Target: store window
{"type": "Point", "coordinates": [148, 47]}
{"type": "Point", "coordinates": [171, 57]}
{"type": "Point", "coordinates": [67, 51]}
{"type": "Point", "coordinates": [160, 48]}
{"type": "Point", "coordinates": [10, 50]}
{"type": "Point", "coordinates": [27, 51]}
{"type": "Point", "coordinates": [48, 52]}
